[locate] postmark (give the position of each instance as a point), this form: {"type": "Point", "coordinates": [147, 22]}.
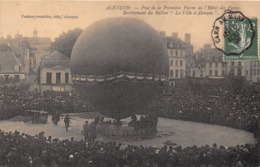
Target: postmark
{"type": "Point", "coordinates": [236, 36]}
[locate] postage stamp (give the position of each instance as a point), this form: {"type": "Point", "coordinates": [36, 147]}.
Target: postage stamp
{"type": "Point", "coordinates": [236, 36]}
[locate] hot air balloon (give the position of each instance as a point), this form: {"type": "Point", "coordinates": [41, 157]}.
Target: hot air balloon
{"type": "Point", "coordinates": [119, 66]}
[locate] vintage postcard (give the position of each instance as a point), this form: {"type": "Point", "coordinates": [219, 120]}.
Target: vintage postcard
{"type": "Point", "coordinates": [129, 83]}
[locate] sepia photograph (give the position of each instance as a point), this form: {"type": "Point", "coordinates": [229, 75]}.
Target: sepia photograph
{"type": "Point", "coordinates": [129, 83]}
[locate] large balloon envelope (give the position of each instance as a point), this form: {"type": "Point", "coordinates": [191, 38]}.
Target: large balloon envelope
{"type": "Point", "coordinates": [119, 66]}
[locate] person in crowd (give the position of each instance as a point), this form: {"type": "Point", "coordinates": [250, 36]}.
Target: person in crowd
{"type": "Point", "coordinates": [56, 118]}
{"type": "Point", "coordinates": [99, 125]}
{"type": "Point", "coordinates": [67, 122]}
{"type": "Point", "coordinates": [92, 132]}
{"type": "Point", "coordinates": [86, 131]}
{"type": "Point", "coordinates": [96, 120]}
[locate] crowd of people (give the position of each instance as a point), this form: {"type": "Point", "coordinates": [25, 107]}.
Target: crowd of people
{"type": "Point", "coordinates": [142, 128]}
{"type": "Point", "coordinates": [238, 108]}
{"type": "Point", "coordinates": [8, 80]}
{"type": "Point", "coordinates": [146, 125]}
{"type": "Point", "coordinates": [90, 131]}
{"type": "Point", "coordinates": [233, 108]}
{"type": "Point", "coordinates": [14, 100]}
{"type": "Point", "coordinates": [38, 151]}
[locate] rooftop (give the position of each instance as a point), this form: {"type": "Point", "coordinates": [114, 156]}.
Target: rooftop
{"type": "Point", "coordinates": [55, 59]}
{"type": "Point", "coordinates": [173, 43]}
{"type": "Point", "coordinates": [8, 63]}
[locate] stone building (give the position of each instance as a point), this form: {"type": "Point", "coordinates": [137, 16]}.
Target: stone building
{"type": "Point", "coordinates": [179, 53]}
{"type": "Point", "coordinates": [10, 68]}
{"type": "Point", "coordinates": [54, 73]}
{"type": "Point", "coordinates": [209, 63]}
{"type": "Point", "coordinates": [40, 46]}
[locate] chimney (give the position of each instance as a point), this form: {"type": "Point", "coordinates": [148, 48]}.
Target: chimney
{"type": "Point", "coordinates": [187, 38]}
{"type": "Point", "coordinates": [162, 34]}
{"type": "Point", "coordinates": [207, 46]}
{"type": "Point", "coordinates": [175, 34]}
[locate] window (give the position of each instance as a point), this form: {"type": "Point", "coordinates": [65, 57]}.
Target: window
{"type": "Point", "coordinates": [66, 78]}
{"type": "Point", "coordinates": [254, 64]}
{"type": "Point", "coordinates": [210, 65]}
{"type": "Point", "coordinates": [258, 72]}
{"type": "Point", "coordinates": [201, 73]}
{"type": "Point", "coordinates": [16, 68]}
{"type": "Point", "coordinates": [232, 72]}
{"type": "Point", "coordinates": [223, 73]}
{"type": "Point", "coordinates": [193, 73]}
{"type": "Point", "coordinates": [171, 63]}
{"type": "Point", "coordinates": [181, 73]}
{"type": "Point", "coordinates": [239, 72]}
{"type": "Point", "coordinates": [254, 71]}
{"type": "Point", "coordinates": [246, 72]}
{"type": "Point", "coordinates": [58, 78]}
{"type": "Point", "coordinates": [171, 73]}
{"type": "Point", "coordinates": [216, 65]}
{"type": "Point", "coordinates": [216, 72]}
{"type": "Point", "coordinates": [171, 52]}
{"type": "Point", "coordinates": [232, 63]}
{"type": "Point", "coordinates": [176, 63]}
{"type": "Point", "coordinates": [210, 72]}
{"type": "Point", "coordinates": [251, 71]}
{"type": "Point", "coordinates": [181, 52]}
{"type": "Point", "coordinates": [16, 77]}
{"type": "Point", "coordinates": [176, 73]}
{"type": "Point", "coordinates": [223, 65]}
{"type": "Point", "coordinates": [176, 53]}
{"type": "Point", "coordinates": [6, 77]}
{"type": "Point", "coordinates": [48, 77]}
{"type": "Point", "coordinates": [239, 64]}
{"type": "Point", "coordinates": [181, 63]}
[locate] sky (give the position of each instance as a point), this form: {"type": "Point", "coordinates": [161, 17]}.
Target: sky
{"type": "Point", "coordinates": [199, 26]}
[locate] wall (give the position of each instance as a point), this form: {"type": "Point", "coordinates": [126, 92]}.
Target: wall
{"type": "Point", "coordinates": [46, 70]}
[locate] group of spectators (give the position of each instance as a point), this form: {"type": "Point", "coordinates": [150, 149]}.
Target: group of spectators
{"type": "Point", "coordinates": [9, 80]}
{"type": "Point", "coordinates": [90, 131]}
{"type": "Point", "coordinates": [14, 100]}
{"type": "Point", "coordinates": [146, 125]}
{"type": "Point", "coordinates": [237, 108]}
{"type": "Point", "coordinates": [143, 128]}
{"type": "Point", "coordinates": [234, 108]}
{"type": "Point", "coordinates": [38, 151]}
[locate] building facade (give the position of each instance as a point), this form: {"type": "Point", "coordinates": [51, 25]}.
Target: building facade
{"type": "Point", "coordinates": [251, 71]}
{"type": "Point", "coordinates": [177, 60]}
{"type": "Point", "coordinates": [55, 73]}
{"type": "Point", "coordinates": [40, 47]}
{"type": "Point", "coordinates": [11, 70]}
{"type": "Point", "coordinates": [28, 50]}
{"type": "Point", "coordinates": [178, 52]}
{"type": "Point", "coordinates": [208, 63]}
{"type": "Point", "coordinates": [22, 53]}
